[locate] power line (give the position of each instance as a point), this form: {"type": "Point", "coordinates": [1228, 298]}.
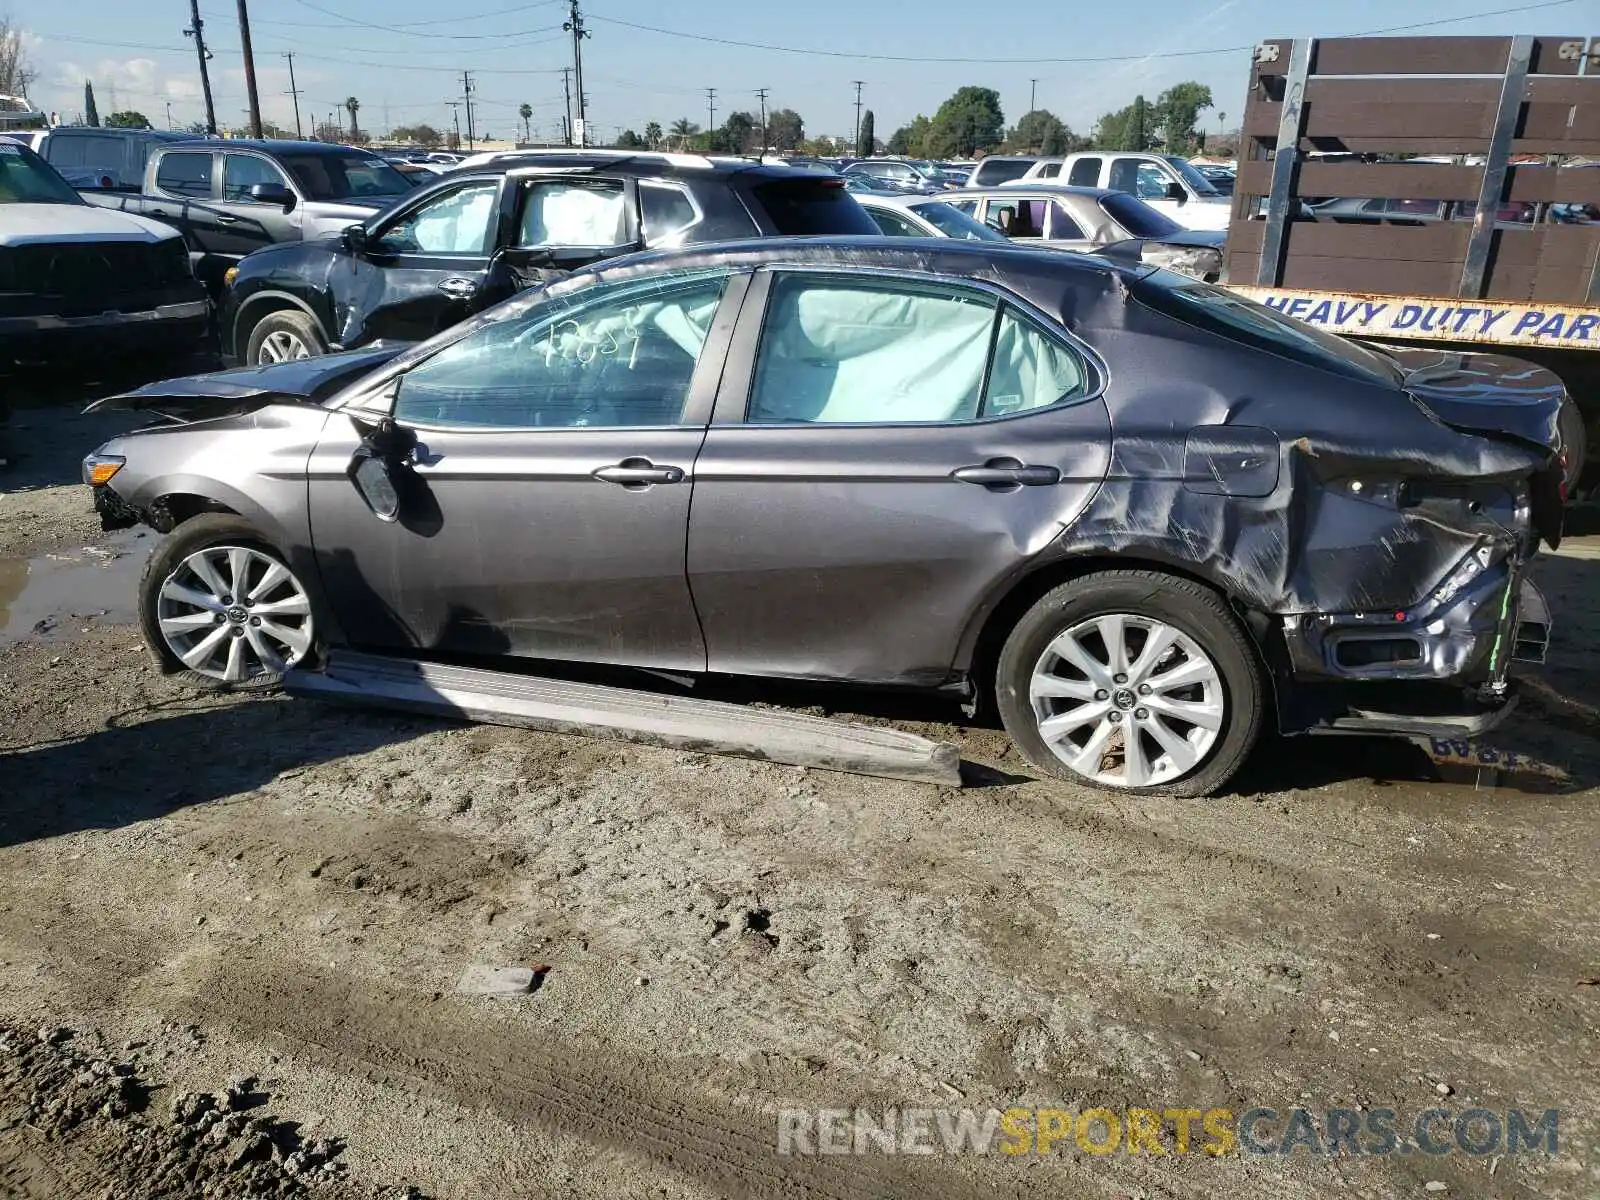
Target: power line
{"type": "Point", "coordinates": [472, 37]}
{"type": "Point", "coordinates": [1093, 58]}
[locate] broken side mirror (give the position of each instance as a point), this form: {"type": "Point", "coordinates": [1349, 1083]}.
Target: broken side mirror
{"type": "Point", "coordinates": [354, 238]}
{"type": "Point", "coordinates": [1175, 192]}
{"type": "Point", "coordinates": [376, 465]}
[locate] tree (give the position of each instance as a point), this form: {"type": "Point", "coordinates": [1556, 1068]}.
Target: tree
{"type": "Point", "coordinates": [197, 128]}
{"type": "Point", "coordinates": [1042, 132]}
{"type": "Point", "coordinates": [966, 123]}
{"type": "Point", "coordinates": [683, 129]}
{"type": "Point", "coordinates": [1177, 111]}
{"type": "Point", "coordinates": [1136, 133]}
{"type": "Point", "coordinates": [911, 140]}
{"type": "Point", "coordinates": [785, 129]}
{"type": "Point", "coordinates": [425, 136]}
{"type": "Point", "coordinates": [738, 135]}
{"type": "Point", "coordinates": [652, 134]}
{"type": "Point", "coordinates": [629, 140]}
{"type": "Point", "coordinates": [526, 113]}
{"type": "Point", "coordinates": [15, 73]}
{"type": "Point", "coordinates": [867, 138]}
{"type": "Point", "coordinates": [91, 114]}
{"type": "Point", "coordinates": [128, 119]}
{"type": "Point", "coordinates": [353, 106]}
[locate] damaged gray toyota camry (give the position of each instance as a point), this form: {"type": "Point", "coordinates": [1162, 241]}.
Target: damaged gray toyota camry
{"type": "Point", "coordinates": [1145, 520]}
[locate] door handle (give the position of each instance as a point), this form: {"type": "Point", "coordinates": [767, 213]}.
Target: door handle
{"type": "Point", "coordinates": [638, 473]}
{"type": "Point", "coordinates": [227, 219]}
{"type": "Point", "coordinates": [458, 287]}
{"type": "Point", "coordinates": [1005, 474]}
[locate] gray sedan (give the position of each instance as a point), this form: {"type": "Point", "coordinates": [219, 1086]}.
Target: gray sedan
{"type": "Point", "coordinates": [1088, 219]}
{"type": "Point", "coordinates": [1146, 520]}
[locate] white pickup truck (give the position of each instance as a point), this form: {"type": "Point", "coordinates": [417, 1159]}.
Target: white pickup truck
{"type": "Point", "coordinates": [1163, 181]}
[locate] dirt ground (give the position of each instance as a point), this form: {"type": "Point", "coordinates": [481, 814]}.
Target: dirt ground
{"type": "Point", "coordinates": [231, 930]}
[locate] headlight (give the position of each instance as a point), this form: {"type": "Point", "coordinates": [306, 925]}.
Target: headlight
{"type": "Point", "coordinates": [98, 469]}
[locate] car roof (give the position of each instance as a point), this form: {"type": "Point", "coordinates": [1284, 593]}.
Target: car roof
{"type": "Point", "coordinates": [898, 199]}
{"type": "Point", "coordinates": [647, 164]}
{"type": "Point", "coordinates": [277, 146]}
{"type": "Point", "coordinates": [1022, 187]}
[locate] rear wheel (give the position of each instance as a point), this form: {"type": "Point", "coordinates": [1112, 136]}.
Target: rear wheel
{"type": "Point", "coordinates": [221, 607]}
{"type": "Point", "coordinates": [1132, 681]}
{"type": "Point", "coordinates": [283, 337]}
{"type": "Point", "coordinates": [1574, 444]}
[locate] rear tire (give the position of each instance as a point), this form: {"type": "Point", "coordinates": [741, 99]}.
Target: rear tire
{"type": "Point", "coordinates": [283, 337]}
{"type": "Point", "coordinates": [1574, 444]}
{"type": "Point", "coordinates": [1132, 653]}
{"type": "Point", "coordinates": [220, 608]}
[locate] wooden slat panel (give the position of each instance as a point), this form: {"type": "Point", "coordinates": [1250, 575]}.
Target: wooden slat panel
{"type": "Point", "coordinates": [1424, 56]}
{"type": "Point", "coordinates": [1538, 283]}
{"type": "Point", "coordinates": [1443, 241]}
{"type": "Point", "coordinates": [1426, 182]}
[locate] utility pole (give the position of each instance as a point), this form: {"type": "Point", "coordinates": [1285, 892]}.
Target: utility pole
{"type": "Point", "coordinates": [294, 93]}
{"type": "Point", "coordinates": [762, 92]}
{"type": "Point", "coordinates": [169, 114]}
{"type": "Point", "coordinates": [711, 110]}
{"type": "Point", "coordinates": [249, 69]}
{"type": "Point", "coordinates": [455, 119]}
{"type": "Point", "coordinates": [1033, 95]}
{"type": "Point", "coordinates": [566, 92]}
{"type": "Point", "coordinates": [466, 95]}
{"type": "Point", "coordinates": [859, 85]}
{"type": "Point", "coordinates": [574, 26]}
{"type": "Point", "coordinates": [196, 30]}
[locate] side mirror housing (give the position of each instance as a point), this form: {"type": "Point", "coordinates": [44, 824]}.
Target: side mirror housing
{"type": "Point", "coordinates": [1175, 192]}
{"type": "Point", "coordinates": [375, 468]}
{"type": "Point", "coordinates": [272, 193]}
{"type": "Point", "coordinates": [354, 238]}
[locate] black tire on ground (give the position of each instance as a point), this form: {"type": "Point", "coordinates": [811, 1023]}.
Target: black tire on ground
{"type": "Point", "coordinates": [197, 533]}
{"type": "Point", "coordinates": [1192, 609]}
{"type": "Point", "coordinates": [1574, 443]}
{"type": "Point", "coordinates": [286, 323]}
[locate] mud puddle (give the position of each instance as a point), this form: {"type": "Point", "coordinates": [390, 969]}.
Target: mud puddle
{"type": "Point", "coordinates": [62, 591]}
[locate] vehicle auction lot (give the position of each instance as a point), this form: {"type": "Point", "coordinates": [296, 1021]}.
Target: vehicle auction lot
{"type": "Point", "coordinates": [202, 888]}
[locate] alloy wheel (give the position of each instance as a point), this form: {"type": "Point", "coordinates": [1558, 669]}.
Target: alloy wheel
{"type": "Point", "coordinates": [234, 613]}
{"type": "Point", "coordinates": [1127, 701]}
{"type": "Point", "coordinates": [282, 346]}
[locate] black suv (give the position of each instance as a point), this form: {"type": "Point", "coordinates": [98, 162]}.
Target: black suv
{"type": "Point", "coordinates": [489, 229]}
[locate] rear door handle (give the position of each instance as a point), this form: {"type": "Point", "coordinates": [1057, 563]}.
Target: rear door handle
{"type": "Point", "coordinates": [638, 473]}
{"type": "Point", "coordinates": [1007, 473]}
{"type": "Point", "coordinates": [227, 219]}
{"type": "Point", "coordinates": [458, 287]}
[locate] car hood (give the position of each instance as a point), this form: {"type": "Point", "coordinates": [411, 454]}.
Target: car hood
{"type": "Point", "coordinates": [219, 393]}
{"type": "Point", "coordinates": [1485, 393]}
{"type": "Point", "coordinates": [25, 224]}
{"type": "Point", "coordinates": [356, 210]}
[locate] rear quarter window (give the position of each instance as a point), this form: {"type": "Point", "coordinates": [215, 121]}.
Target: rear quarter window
{"type": "Point", "coordinates": [803, 207]}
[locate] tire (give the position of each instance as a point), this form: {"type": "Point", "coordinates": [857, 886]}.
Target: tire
{"type": "Point", "coordinates": [283, 335]}
{"type": "Point", "coordinates": [1574, 444]}
{"type": "Point", "coordinates": [1192, 736]}
{"type": "Point", "coordinates": [254, 638]}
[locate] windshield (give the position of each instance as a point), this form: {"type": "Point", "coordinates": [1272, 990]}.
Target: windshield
{"type": "Point", "coordinates": [1200, 184]}
{"type": "Point", "coordinates": [1222, 312]}
{"type": "Point", "coordinates": [25, 178]}
{"type": "Point", "coordinates": [351, 176]}
{"type": "Point", "coordinates": [952, 222]}
{"type": "Point", "coordinates": [1137, 217]}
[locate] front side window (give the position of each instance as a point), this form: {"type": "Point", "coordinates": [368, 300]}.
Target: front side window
{"type": "Point", "coordinates": [186, 173]}
{"type": "Point", "coordinates": [956, 221]}
{"type": "Point", "coordinates": [344, 176]}
{"type": "Point", "coordinates": [241, 172]}
{"type": "Point", "coordinates": [834, 351]}
{"type": "Point", "coordinates": [620, 359]}
{"type": "Point", "coordinates": [1085, 173]}
{"type": "Point", "coordinates": [572, 213]}
{"type": "Point", "coordinates": [457, 222]}
{"type": "Point", "coordinates": [1049, 170]}
{"type": "Point", "coordinates": [1151, 183]}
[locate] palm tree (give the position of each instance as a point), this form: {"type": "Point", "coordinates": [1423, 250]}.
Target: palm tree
{"type": "Point", "coordinates": [353, 106]}
{"type": "Point", "coordinates": [652, 134]}
{"type": "Point", "coordinates": [526, 113]}
{"type": "Point", "coordinates": [683, 129]}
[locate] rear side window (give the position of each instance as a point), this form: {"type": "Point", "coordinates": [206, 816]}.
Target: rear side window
{"type": "Point", "coordinates": [803, 207]}
{"type": "Point", "coordinates": [185, 173]}
{"type": "Point", "coordinates": [991, 172]}
{"type": "Point", "coordinates": [1085, 173]}
{"type": "Point", "coordinates": [1049, 170]}
{"type": "Point", "coordinates": [665, 211]}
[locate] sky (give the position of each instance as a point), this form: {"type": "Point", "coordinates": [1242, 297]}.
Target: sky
{"type": "Point", "coordinates": [403, 58]}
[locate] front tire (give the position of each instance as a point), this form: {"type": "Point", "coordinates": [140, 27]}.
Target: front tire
{"type": "Point", "coordinates": [284, 337]}
{"type": "Point", "coordinates": [1132, 681]}
{"type": "Point", "coordinates": [220, 608]}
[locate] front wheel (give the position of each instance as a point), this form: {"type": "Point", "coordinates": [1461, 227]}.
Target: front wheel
{"type": "Point", "coordinates": [1132, 681]}
{"type": "Point", "coordinates": [283, 337]}
{"type": "Point", "coordinates": [221, 607]}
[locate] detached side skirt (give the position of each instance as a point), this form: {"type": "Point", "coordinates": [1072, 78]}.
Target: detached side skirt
{"type": "Point", "coordinates": [560, 706]}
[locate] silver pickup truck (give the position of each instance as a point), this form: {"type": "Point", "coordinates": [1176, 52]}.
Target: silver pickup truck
{"type": "Point", "coordinates": [229, 198]}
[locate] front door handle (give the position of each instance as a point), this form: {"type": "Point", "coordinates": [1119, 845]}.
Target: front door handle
{"type": "Point", "coordinates": [638, 473]}
{"type": "Point", "coordinates": [458, 287]}
{"type": "Point", "coordinates": [1006, 474]}
{"type": "Point", "coordinates": [227, 219]}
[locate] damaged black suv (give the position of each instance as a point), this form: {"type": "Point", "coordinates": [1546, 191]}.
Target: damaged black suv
{"type": "Point", "coordinates": [492, 228]}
